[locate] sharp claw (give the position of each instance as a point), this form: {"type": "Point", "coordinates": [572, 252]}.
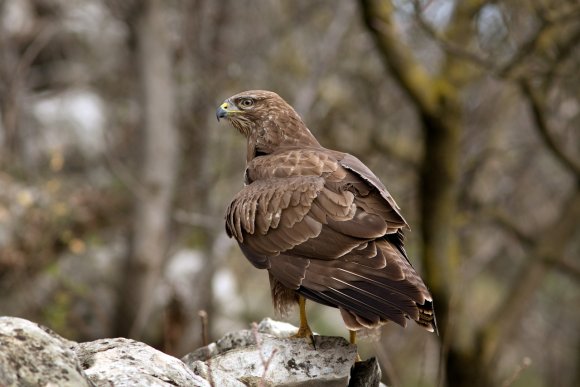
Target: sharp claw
{"type": "Point", "coordinates": [305, 333]}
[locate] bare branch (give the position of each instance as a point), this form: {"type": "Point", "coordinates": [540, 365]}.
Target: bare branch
{"type": "Point", "coordinates": [565, 50]}
{"type": "Point", "coordinates": [523, 52]}
{"type": "Point", "coordinates": [526, 362]}
{"type": "Point", "coordinates": [387, 148]}
{"type": "Point", "coordinates": [410, 74]}
{"type": "Point", "coordinates": [44, 36]}
{"type": "Point", "coordinates": [568, 12]}
{"type": "Point", "coordinates": [265, 361]}
{"type": "Point", "coordinates": [565, 266]}
{"type": "Point", "coordinates": [549, 23]}
{"type": "Point", "coordinates": [125, 176]}
{"type": "Point", "coordinates": [546, 251]}
{"type": "Point", "coordinates": [204, 327]}
{"type": "Point", "coordinates": [446, 45]}
{"type": "Point", "coordinates": [506, 222]}
{"type": "Point", "coordinates": [536, 103]}
{"type": "Point", "coordinates": [327, 50]}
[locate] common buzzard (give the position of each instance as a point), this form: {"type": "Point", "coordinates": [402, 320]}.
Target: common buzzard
{"type": "Point", "coordinates": [320, 222]}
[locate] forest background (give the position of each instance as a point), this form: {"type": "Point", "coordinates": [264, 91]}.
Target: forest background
{"type": "Point", "coordinates": [114, 174]}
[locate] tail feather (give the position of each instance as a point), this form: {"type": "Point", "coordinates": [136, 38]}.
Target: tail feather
{"type": "Point", "coordinates": [369, 296]}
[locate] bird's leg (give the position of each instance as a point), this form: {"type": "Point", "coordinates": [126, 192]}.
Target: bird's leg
{"type": "Point", "coordinates": [304, 330]}
{"type": "Point", "coordinates": [352, 339]}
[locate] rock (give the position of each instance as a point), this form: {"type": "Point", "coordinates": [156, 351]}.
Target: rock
{"type": "Point", "coordinates": [250, 355]}
{"type": "Point", "coordinates": [32, 355]}
{"type": "Point", "coordinates": [125, 362]}
{"type": "Point", "coordinates": [277, 328]}
{"type": "Point", "coordinates": [365, 373]}
{"type": "Point", "coordinates": [215, 377]}
{"type": "Point", "coordinates": [263, 356]}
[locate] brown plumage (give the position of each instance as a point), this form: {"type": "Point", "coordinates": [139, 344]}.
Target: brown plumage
{"type": "Point", "coordinates": [319, 221]}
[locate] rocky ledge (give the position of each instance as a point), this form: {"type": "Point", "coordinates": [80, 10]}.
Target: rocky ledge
{"type": "Point", "coordinates": [32, 355]}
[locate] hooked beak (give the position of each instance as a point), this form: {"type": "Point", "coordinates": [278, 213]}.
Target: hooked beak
{"type": "Point", "coordinates": [226, 109]}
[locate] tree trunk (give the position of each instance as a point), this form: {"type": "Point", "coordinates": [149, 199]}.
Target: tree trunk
{"type": "Point", "coordinates": [159, 169]}
{"type": "Point", "coordinates": [436, 99]}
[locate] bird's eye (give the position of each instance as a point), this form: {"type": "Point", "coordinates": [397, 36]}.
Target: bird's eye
{"type": "Point", "coordinates": [246, 102]}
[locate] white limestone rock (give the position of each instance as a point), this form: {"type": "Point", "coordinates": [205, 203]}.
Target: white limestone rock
{"type": "Point", "coordinates": [31, 355]}
{"type": "Point", "coordinates": [124, 362]}
{"type": "Point", "coordinates": [250, 355]}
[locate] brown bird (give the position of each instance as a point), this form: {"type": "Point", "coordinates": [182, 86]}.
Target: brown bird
{"type": "Point", "coordinates": [320, 222]}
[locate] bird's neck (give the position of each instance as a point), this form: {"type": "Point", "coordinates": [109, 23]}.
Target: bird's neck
{"type": "Point", "coordinates": [271, 136]}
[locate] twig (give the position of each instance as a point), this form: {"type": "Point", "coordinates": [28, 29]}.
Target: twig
{"type": "Point", "coordinates": [388, 149]}
{"type": "Point", "coordinates": [42, 38]}
{"type": "Point", "coordinates": [327, 50]}
{"type": "Point", "coordinates": [565, 266]}
{"type": "Point", "coordinates": [541, 123]}
{"type": "Point", "coordinates": [122, 172]}
{"type": "Point", "coordinates": [204, 327]}
{"type": "Point", "coordinates": [412, 77]}
{"type": "Point", "coordinates": [209, 370]}
{"type": "Point", "coordinates": [563, 15]}
{"type": "Point", "coordinates": [205, 342]}
{"type": "Point", "coordinates": [265, 361]}
{"type": "Point", "coordinates": [526, 362]}
{"type": "Point", "coordinates": [544, 254]}
{"type": "Point", "coordinates": [447, 45]}
{"type": "Point", "coordinates": [523, 52]}
{"type": "Point", "coordinates": [564, 51]}
{"type": "Point", "coordinates": [505, 71]}
{"type": "Point", "coordinates": [505, 221]}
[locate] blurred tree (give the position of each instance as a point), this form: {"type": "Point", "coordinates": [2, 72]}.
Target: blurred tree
{"type": "Point", "coordinates": [201, 53]}
{"type": "Point", "coordinates": [159, 160]}
{"type": "Point", "coordinates": [474, 129]}
{"type": "Point", "coordinates": [436, 94]}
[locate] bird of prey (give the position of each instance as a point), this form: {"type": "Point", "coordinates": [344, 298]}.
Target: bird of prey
{"type": "Point", "coordinates": [320, 222]}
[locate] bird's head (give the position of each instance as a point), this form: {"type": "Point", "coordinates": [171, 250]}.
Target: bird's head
{"type": "Point", "coordinates": [246, 110]}
{"type": "Point", "coordinates": [266, 120]}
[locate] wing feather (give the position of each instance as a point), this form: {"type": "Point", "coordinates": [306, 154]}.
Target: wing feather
{"type": "Point", "coordinates": [334, 237]}
{"type": "Point", "coordinates": [362, 171]}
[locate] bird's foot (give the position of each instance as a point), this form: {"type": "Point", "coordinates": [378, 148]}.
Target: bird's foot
{"type": "Point", "coordinates": [352, 340]}
{"type": "Point", "coordinates": [304, 332]}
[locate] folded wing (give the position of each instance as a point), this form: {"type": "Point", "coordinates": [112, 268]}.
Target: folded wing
{"type": "Point", "coordinates": [335, 238]}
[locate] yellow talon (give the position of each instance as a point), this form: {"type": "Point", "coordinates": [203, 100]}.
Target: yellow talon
{"type": "Point", "coordinates": [304, 330]}
{"type": "Point", "coordinates": [352, 339]}
{"type": "Point", "coordinates": [352, 336]}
